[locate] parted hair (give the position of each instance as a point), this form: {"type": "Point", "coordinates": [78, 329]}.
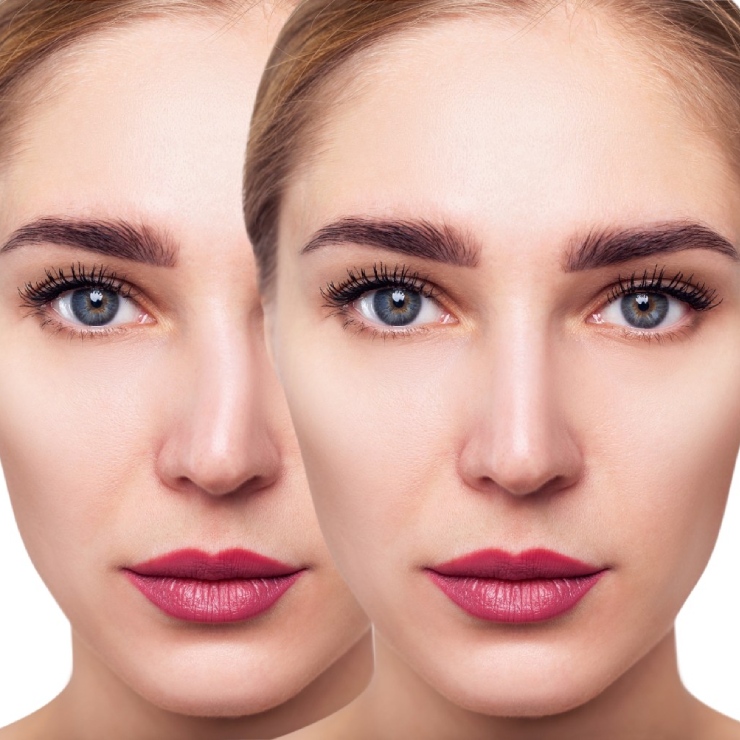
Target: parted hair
{"type": "Point", "coordinates": [695, 43]}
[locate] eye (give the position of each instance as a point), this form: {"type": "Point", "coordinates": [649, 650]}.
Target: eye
{"type": "Point", "coordinates": [399, 307]}
{"type": "Point", "coordinates": [645, 311]}
{"type": "Point", "coordinates": [82, 301]}
{"type": "Point", "coordinates": [387, 299]}
{"type": "Point", "coordinates": [97, 307]}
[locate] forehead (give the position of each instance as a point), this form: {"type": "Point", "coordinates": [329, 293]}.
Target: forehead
{"type": "Point", "coordinates": [513, 129]}
{"type": "Point", "coordinates": [145, 121]}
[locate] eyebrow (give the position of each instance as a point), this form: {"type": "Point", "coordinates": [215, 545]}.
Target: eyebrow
{"type": "Point", "coordinates": [414, 238]}
{"type": "Point", "coordinates": [611, 247]}
{"type": "Point", "coordinates": [115, 238]}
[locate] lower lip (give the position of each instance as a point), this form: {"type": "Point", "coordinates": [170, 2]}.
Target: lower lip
{"type": "Point", "coordinates": [515, 601]}
{"type": "Point", "coordinates": [212, 602]}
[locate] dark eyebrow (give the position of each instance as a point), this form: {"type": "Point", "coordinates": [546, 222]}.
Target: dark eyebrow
{"type": "Point", "coordinates": [415, 238]}
{"type": "Point", "coordinates": [113, 238]}
{"type": "Point", "coordinates": [611, 247]}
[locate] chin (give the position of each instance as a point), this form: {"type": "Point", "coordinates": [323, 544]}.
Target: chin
{"type": "Point", "coordinates": [532, 702]}
{"type": "Point", "coordinates": [216, 686]}
{"type": "Point", "coordinates": [530, 687]}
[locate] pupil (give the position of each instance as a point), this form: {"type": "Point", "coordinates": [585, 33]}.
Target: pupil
{"type": "Point", "coordinates": [396, 306]}
{"type": "Point", "coordinates": [645, 310]}
{"type": "Point", "coordinates": [399, 298]}
{"type": "Point", "coordinates": [94, 306]}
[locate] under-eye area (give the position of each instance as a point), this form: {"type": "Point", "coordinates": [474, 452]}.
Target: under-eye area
{"type": "Point", "coordinates": [81, 301]}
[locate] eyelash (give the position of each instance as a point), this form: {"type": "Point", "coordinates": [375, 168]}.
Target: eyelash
{"type": "Point", "coordinates": [698, 296]}
{"type": "Point", "coordinates": [340, 297]}
{"type": "Point", "coordinates": [38, 296]}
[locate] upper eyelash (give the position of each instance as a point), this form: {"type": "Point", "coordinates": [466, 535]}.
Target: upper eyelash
{"type": "Point", "coordinates": [698, 296]}
{"type": "Point", "coordinates": [38, 295]}
{"type": "Point", "coordinates": [360, 281]}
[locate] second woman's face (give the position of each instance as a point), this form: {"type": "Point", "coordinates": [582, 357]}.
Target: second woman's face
{"type": "Point", "coordinates": [506, 318]}
{"type": "Point", "coordinates": [147, 447]}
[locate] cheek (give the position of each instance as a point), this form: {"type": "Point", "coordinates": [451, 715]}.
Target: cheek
{"type": "Point", "coordinates": [661, 459]}
{"type": "Point", "coordinates": [68, 423]}
{"type": "Point", "coordinates": [369, 417]}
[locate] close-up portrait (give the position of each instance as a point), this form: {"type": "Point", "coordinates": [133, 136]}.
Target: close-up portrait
{"type": "Point", "coordinates": [369, 369]}
{"type": "Point", "coordinates": [148, 453]}
{"type": "Point", "coordinates": [499, 251]}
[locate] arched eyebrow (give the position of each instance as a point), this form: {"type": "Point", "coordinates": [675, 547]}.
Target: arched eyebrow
{"type": "Point", "coordinates": [115, 238]}
{"type": "Point", "coordinates": [612, 246]}
{"type": "Point", "coordinates": [414, 238]}
{"type": "Point", "coordinates": [600, 248]}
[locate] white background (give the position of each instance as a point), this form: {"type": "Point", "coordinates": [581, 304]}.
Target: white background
{"type": "Point", "coordinates": [35, 657]}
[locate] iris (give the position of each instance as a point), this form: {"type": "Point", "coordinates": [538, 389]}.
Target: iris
{"type": "Point", "coordinates": [396, 306]}
{"type": "Point", "coordinates": [645, 310]}
{"type": "Point", "coordinates": [94, 306]}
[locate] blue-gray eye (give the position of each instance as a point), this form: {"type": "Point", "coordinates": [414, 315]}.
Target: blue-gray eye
{"type": "Point", "coordinates": [96, 307]}
{"type": "Point", "coordinates": [399, 308]}
{"type": "Point", "coordinates": [645, 311]}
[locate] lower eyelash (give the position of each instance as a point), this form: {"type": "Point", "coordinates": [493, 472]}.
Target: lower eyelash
{"type": "Point", "coordinates": [698, 296]}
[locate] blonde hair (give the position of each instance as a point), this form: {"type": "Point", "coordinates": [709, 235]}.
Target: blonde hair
{"type": "Point", "coordinates": [696, 43]}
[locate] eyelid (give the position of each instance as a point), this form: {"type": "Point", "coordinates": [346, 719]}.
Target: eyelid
{"type": "Point", "coordinates": [696, 298]}
{"type": "Point", "coordinates": [39, 297]}
{"type": "Point", "coordinates": [342, 297]}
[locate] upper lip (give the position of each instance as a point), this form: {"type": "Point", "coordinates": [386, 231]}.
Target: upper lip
{"type": "Point", "coordinates": [505, 566]}
{"type": "Point", "coordinates": [223, 565]}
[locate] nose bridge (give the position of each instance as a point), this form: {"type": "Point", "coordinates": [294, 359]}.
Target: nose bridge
{"type": "Point", "coordinates": [520, 440]}
{"type": "Point", "coordinates": [223, 391]}
{"type": "Point", "coordinates": [522, 384]}
{"type": "Point", "coordinates": [219, 439]}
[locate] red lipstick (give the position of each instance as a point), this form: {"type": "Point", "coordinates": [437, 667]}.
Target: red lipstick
{"type": "Point", "coordinates": [229, 586]}
{"type": "Point", "coordinates": [533, 586]}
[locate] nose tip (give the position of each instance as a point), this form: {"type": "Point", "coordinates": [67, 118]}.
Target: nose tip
{"type": "Point", "coordinates": [221, 434]}
{"type": "Point", "coordinates": [226, 471]}
{"type": "Point", "coordinates": [519, 438]}
{"type": "Point", "coordinates": [549, 466]}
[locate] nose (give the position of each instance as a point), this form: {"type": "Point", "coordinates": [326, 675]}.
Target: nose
{"type": "Point", "coordinates": [519, 439]}
{"type": "Point", "coordinates": [220, 432]}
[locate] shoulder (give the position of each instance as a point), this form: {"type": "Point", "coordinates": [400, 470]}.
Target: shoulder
{"type": "Point", "coordinates": [716, 726]}
{"type": "Point", "coordinates": [726, 728]}
{"type": "Point", "coordinates": [37, 726]}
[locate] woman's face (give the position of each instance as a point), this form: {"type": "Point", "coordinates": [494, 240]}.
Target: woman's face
{"type": "Point", "coordinates": [138, 413]}
{"type": "Point", "coordinates": [506, 318]}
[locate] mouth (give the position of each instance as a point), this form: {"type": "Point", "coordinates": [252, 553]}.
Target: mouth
{"type": "Point", "coordinates": [533, 586]}
{"type": "Point", "coordinates": [230, 586]}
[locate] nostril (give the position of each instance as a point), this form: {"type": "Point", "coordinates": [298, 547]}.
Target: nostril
{"type": "Point", "coordinates": [492, 462]}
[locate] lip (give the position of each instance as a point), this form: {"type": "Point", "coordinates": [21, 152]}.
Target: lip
{"type": "Point", "coordinates": [533, 586]}
{"type": "Point", "coordinates": [230, 586]}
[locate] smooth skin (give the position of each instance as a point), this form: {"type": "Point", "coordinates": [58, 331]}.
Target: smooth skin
{"type": "Point", "coordinates": [166, 428]}
{"type": "Point", "coordinates": [520, 410]}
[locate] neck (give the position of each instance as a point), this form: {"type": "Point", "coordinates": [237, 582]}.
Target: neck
{"type": "Point", "coordinates": [96, 703]}
{"type": "Point", "coordinates": [647, 703]}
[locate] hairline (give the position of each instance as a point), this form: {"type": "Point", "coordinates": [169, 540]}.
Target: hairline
{"type": "Point", "coordinates": [31, 89]}
{"type": "Point", "coordinates": [341, 84]}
